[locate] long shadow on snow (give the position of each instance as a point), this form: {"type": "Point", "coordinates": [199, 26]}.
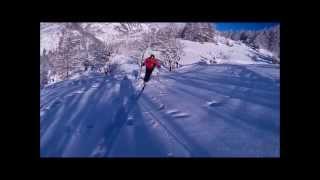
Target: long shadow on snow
{"type": "Point", "coordinates": [263, 123]}
{"type": "Point", "coordinates": [177, 132]}
{"type": "Point", "coordinates": [126, 101]}
{"type": "Point", "coordinates": [247, 78]}
{"type": "Point", "coordinates": [60, 100]}
{"type": "Point", "coordinates": [268, 135]}
{"type": "Point", "coordinates": [99, 113]}
{"type": "Point", "coordinates": [93, 118]}
{"type": "Point", "coordinates": [51, 115]}
{"type": "Point", "coordinates": [260, 99]}
{"type": "Point", "coordinates": [139, 140]}
{"type": "Point", "coordinates": [250, 90]}
{"type": "Point", "coordinates": [263, 128]}
{"type": "Point", "coordinates": [59, 92]}
{"type": "Point", "coordinates": [72, 118]}
{"type": "Point", "coordinates": [147, 146]}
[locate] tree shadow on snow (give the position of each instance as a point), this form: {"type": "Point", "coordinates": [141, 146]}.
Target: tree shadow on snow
{"type": "Point", "coordinates": [179, 134]}
{"type": "Point", "coordinates": [73, 118]}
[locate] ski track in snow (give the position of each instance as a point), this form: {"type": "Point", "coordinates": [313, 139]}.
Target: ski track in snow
{"type": "Point", "coordinates": [201, 111]}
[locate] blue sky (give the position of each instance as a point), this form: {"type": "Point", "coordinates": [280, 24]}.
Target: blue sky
{"type": "Point", "coordinates": [242, 26]}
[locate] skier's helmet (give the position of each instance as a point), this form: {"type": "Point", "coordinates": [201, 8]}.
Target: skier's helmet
{"type": "Point", "coordinates": [152, 56]}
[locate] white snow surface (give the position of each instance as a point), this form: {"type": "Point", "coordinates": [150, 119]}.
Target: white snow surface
{"type": "Point", "coordinates": [223, 110]}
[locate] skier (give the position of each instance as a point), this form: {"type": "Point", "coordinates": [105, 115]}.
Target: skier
{"type": "Point", "coordinates": [150, 64]}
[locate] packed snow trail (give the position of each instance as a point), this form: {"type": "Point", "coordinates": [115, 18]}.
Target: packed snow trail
{"type": "Point", "coordinates": [200, 111]}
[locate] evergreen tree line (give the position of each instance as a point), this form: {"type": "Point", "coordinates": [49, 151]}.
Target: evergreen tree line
{"type": "Point", "coordinates": [267, 38]}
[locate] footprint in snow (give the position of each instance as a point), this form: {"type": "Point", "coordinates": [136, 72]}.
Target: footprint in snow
{"type": "Point", "coordinates": [163, 93]}
{"type": "Point", "coordinates": [130, 120]}
{"type": "Point", "coordinates": [177, 114]}
{"type": "Point", "coordinates": [78, 92]}
{"type": "Point", "coordinates": [212, 103]}
{"type": "Point", "coordinates": [74, 94]}
{"type": "Point", "coordinates": [181, 115]}
{"type": "Point", "coordinates": [55, 103]}
{"type": "Point", "coordinates": [130, 117]}
{"type": "Point", "coordinates": [96, 85]}
{"type": "Point", "coordinates": [69, 96]}
{"type": "Point", "coordinates": [161, 107]}
{"type": "Point", "coordinates": [173, 111]}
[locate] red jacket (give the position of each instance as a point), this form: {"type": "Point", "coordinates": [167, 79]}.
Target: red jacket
{"type": "Point", "coordinates": [151, 63]}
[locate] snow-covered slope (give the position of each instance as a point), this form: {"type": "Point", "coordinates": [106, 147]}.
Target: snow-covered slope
{"type": "Point", "coordinates": [238, 53]}
{"type": "Point", "coordinates": [228, 109]}
{"type": "Point", "coordinates": [202, 110]}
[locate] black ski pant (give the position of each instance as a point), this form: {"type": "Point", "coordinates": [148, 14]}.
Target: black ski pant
{"type": "Point", "coordinates": [148, 74]}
